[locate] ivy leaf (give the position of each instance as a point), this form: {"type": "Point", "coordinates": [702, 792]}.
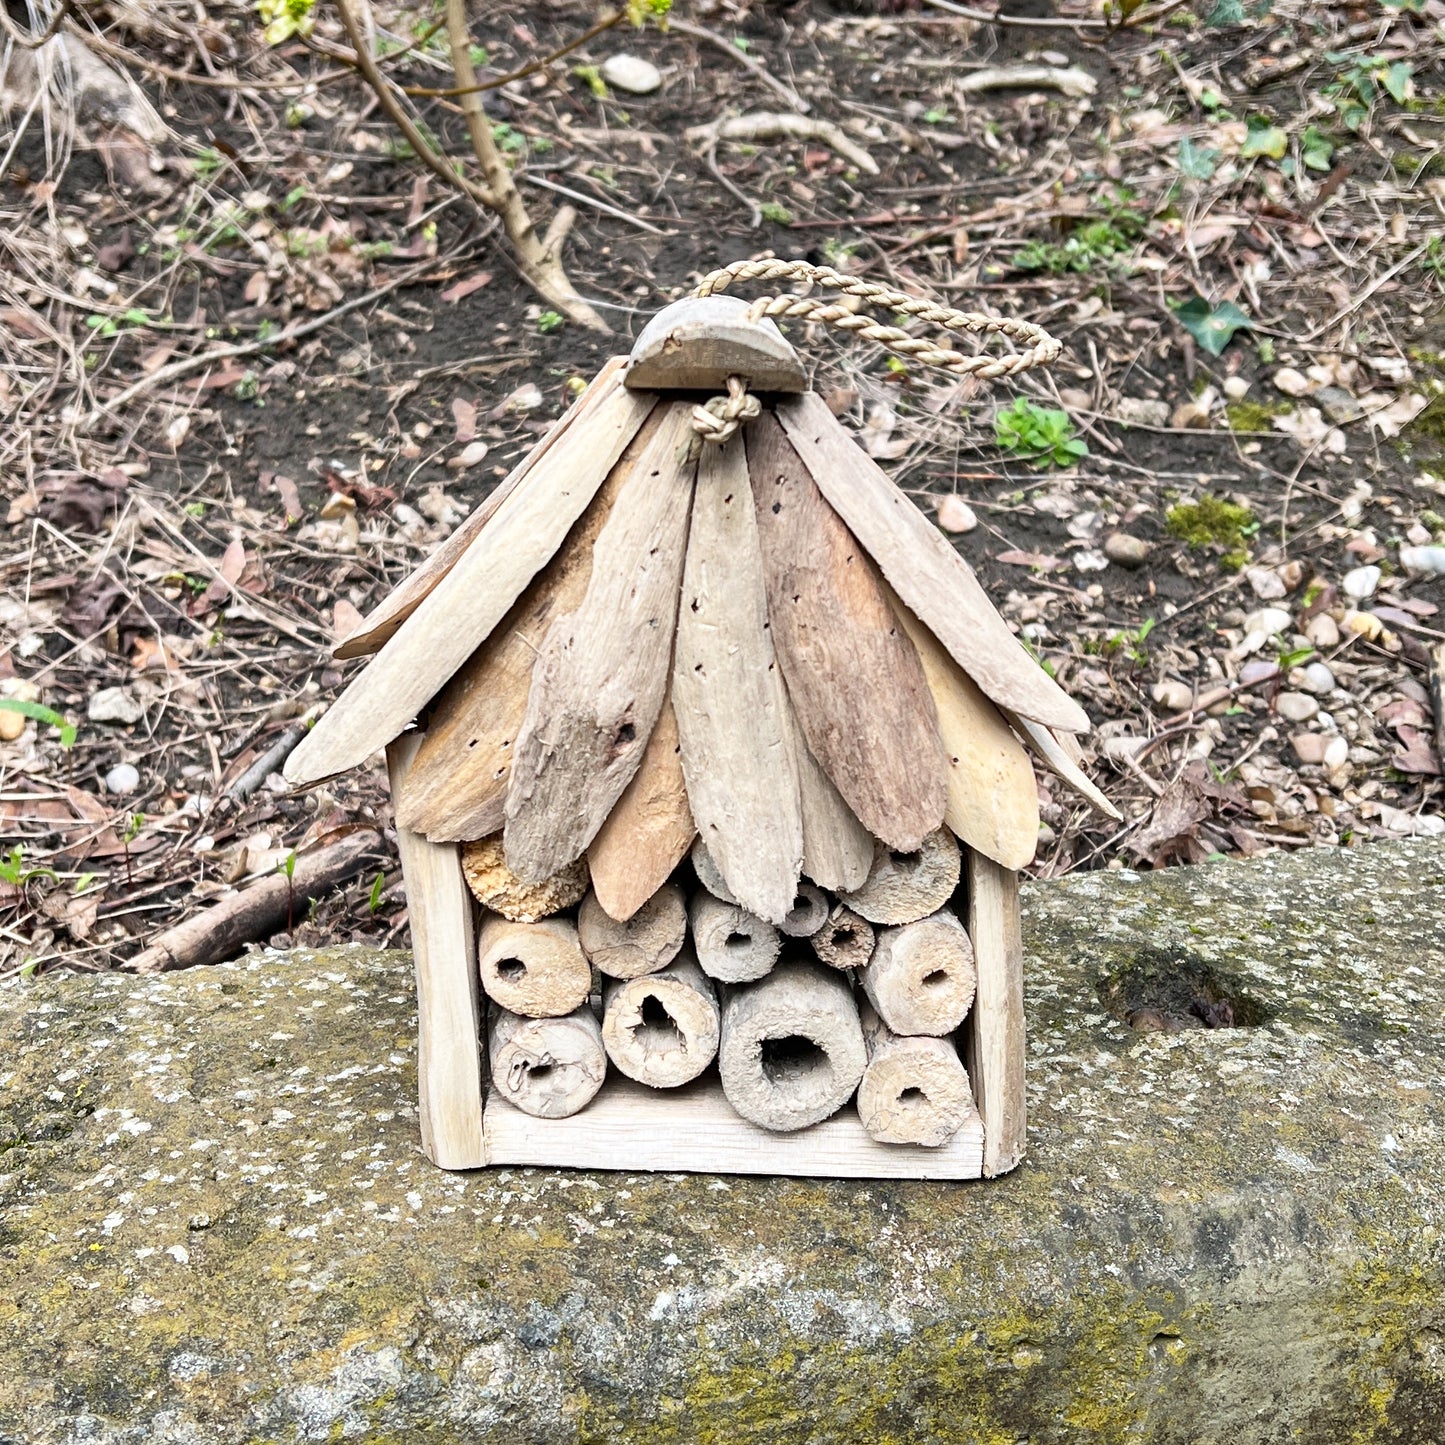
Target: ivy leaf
{"type": "Point", "coordinates": [1396, 80]}
{"type": "Point", "coordinates": [1316, 149]}
{"type": "Point", "coordinates": [1263, 140]}
{"type": "Point", "coordinates": [1226, 12]}
{"type": "Point", "coordinates": [1212, 327]}
{"type": "Point", "coordinates": [1197, 162]}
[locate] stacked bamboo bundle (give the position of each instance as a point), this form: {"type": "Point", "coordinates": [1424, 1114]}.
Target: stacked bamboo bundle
{"type": "Point", "coordinates": [858, 994]}
{"type": "Point", "coordinates": [704, 704]}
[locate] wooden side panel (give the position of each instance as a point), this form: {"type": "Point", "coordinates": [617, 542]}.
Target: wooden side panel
{"type": "Point", "coordinates": [649, 830]}
{"type": "Point", "coordinates": [449, 1020]}
{"type": "Point", "coordinates": [854, 678]}
{"type": "Point", "coordinates": [923, 567]}
{"type": "Point", "coordinates": [380, 625]}
{"type": "Point", "coordinates": [458, 784]}
{"type": "Point", "coordinates": [461, 611]}
{"type": "Point", "coordinates": [727, 692]}
{"type": "Point", "coordinates": [996, 1055]}
{"type": "Point", "coordinates": [993, 801]}
{"type": "Point", "coordinates": [694, 1129]}
{"type": "Point", "coordinates": [599, 683]}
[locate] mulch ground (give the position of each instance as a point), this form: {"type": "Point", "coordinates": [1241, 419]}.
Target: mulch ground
{"type": "Point", "coordinates": [257, 370]}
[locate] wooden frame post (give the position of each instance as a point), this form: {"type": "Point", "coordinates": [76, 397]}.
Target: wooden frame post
{"type": "Point", "coordinates": [996, 1057]}
{"type": "Point", "coordinates": [449, 1020]}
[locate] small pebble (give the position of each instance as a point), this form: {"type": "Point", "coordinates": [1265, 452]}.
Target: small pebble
{"type": "Point", "coordinates": [1173, 695]}
{"type": "Point", "coordinates": [955, 515]}
{"type": "Point", "coordinates": [1360, 582]}
{"type": "Point", "coordinates": [1125, 549]}
{"type": "Point", "coordinates": [1142, 411]}
{"type": "Point", "coordinates": [1236, 388]}
{"type": "Point", "coordinates": [631, 73]}
{"type": "Point", "coordinates": [1269, 620]}
{"type": "Point", "coordinates": [1322, 630]}
{"type": "Point", "coordinates": [1309, 747]}
{"type": "Point", "coordinates": [1337, 752]}
{"type": "Point", "coordinates": [1266, 583]}
{"type": "Point", "coordinates": [12, 724]}
{"type": "Point", "coordinates": [1423, 561]}
{"type": "Point", "coordinates": [1338, 405]}
{"type": "Point", "coordinates": [1088, 560]}
{"type": "Point", "coordinates": [122, 779]}
{"type": "Point", "coordinates": [1318, 679]}
{"type": "Point", "coordinates": [469, 456]}
{"type": "Point", "coordinates": [1290, 381]}
{"type": "Point", "coordinates": [114, 705]}
{"type": "Point", "coordinates": [1296, 707]}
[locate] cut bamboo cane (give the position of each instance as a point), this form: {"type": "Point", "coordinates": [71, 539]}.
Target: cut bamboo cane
{"type": "Point", "coordinates": [458, 785]}
{"type": "Point", "coordinates": [549, 1068]}
{"type": "Point", "coordinates": [902, 887]}
{"type": "Point", "coordinates": [733, 945]}
{"type": "Point", "coordinates": [459, 613]}
{"type": "Point", "coordinates": [993, 801]}
{"type": "Point", "coordinates": [534, 969]}
{"type": "Point", "coordinates": [646, 942]}
{"type": "Point", "coordinates": [996, 1043]}
{"type": "Point", "coordinates": [845, 940]}
{"type": "Point", "coordinates": [448, 1009]}
{"type": "Point", "coordinates": [649, 830]}
{"type": "Point", "coordinates": [921, 978]}
{"type": "Point", "coordinates": [381, 624]}
{"type": "Point", "coordinates": [792, 1048]}
{"type": "Point", "coordinates": [854, 678]}
{"type": "Point", "coordinates": [808, 913]}
{"type": "Point", "coordinates": [923, 567]}
{"type": "Point", "coordinates": [662, 1030]}
{"type": "Point", "coordinates": [599, 683]}
{"type": "Point", "coordinates": [837, 848]}
{"type": "Point", "coordinates": [737, 754]}
{"type": "Point", "coordinates": [497, 888]}
{"type": "Point", "coordinates": [708, 873]}
{"type": "Point", "coordinates": [1060, 760]}
{"type": "Point", "coordinates": [914, 1090]}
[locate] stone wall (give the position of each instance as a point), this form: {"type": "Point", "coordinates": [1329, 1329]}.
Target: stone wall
{"type": "Point", "coordinates": [215, 1225]}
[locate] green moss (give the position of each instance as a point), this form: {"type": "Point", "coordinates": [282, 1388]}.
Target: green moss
{"type": "Point", "coordinates": [1211, 521]}
{"type": "Point", "coordinates": [1253, 415]}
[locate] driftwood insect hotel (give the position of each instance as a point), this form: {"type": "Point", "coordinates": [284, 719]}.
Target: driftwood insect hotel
{"type": "Point", "coordinates": [706, 708]}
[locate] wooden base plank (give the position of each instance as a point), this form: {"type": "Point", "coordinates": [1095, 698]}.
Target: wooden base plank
{"type": "Point", "coordinates": [693, 1130]}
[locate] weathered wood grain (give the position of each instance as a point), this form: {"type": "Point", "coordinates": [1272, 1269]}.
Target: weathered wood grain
{"type": "Point", "coordinates": [700, 341]}
{"type": "Point", "coordinates": [1059, 753]}
{"type": "Point", "coordinates": [449, 1019]}
{"type": "Point", "coordinates": [993, 801]}
{"type": "Point", "coordinates": [662, 1030]}
{"type": "Point", "coordinates": [914, 1090]}
{"type": "Point", "coordinates": [727, 692]}
{"type": "Point", "coordinates": [921, 977]}
{"type": "Point", "coordinates": [458, 783]}
{"type": "Point", "coordinates": [995, 1031]}
{"type": "Point", "coordinates": [855, 680]}
{"type": "Point", "coordinates": [924, 569]}
{"type": "Point", "coordinates": [599, 682]}
{"type": "Point", "coordinates": [381, 623]}
{"type": "Point", "coordinates": [461, 611]}
{"type": "Point", "coordinates": [547, 1068]}
{"type": "Point", "coordinates": [649, 830]}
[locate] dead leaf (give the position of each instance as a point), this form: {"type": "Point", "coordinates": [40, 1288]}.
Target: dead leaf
{"type": "Point", "coordinates": [1038, 560]}
{"type": "Point", "coordinates": [464, 414]}
{"type": "Point", "coordinates": [460, 290]}
{"type": "Point", "coordinates": [345, 619]}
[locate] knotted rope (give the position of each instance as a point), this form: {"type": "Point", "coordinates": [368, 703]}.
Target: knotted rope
{"type": "Point", "coordinates": [719, 418]}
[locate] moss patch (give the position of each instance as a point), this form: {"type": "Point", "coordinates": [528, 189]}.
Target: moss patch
{"type": "Point", "coordinates": [1210, 520]}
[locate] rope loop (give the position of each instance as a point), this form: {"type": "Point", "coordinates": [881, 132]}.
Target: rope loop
{"type": "Point", "coordinates": [719, 418]}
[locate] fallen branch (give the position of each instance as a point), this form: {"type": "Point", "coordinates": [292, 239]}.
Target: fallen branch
{"type": "Point", "coordinates": [760, 126]}
{"type": "Point", "coordinates": [256, 912]}
{"type": "Point", "coordinates": [270, 761]}
{"type": "Point", "coordinates": [753, 67]}
{"type": "Point", "coordinates": [1071, 80]}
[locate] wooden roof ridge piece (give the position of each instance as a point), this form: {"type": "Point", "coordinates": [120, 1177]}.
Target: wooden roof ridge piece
{"type": "Point", "coordinates": [599, 682]}
{"type": "Point", "coordinates": [697, 343]}
{"type": "Point", "coordinates": [934, 581]}
{"type": "Point", "coordinates": [457, 790]}
{"type": "Point", "coordinates": [381, 623]}
{"type": "Point", "coordinates": [993, 801]}
{"type": "Point", "coordinates": [855, 680]}
{"type": "Point", "coordinates": [1059, 758]}
{"type": "Point", "coordinates": [649, 830]}
{"type": "Point", "coordinates": [727, 692]}
{"type": "Point", "coordinates": [460, 612]}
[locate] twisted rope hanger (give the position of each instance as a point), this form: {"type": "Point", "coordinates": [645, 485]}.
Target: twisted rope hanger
{"type": "Point", "coordinates": [718, 419]}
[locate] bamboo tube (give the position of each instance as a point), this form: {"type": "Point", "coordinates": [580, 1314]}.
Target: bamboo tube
{"type": "Point", "coordinates": [662, 1030]}
{"type": "Point", "coordinates": [648, 941]}
{"type": "Point", "coordinates": [496, 887]}
{"type": "Point", "coordinates": [808, 913]}
{"type": "Point", "coordinates": [792, 1048]}
{"type": "Point", "coordinates": [534, 969]}
{"type": "Point", "coordinates": [903, 887]}
{"type": "Point", "coordinates": [708, 873]}
{"type": "Point", "coordinates": [921, 977]}
{"type": "Point", "coordinates": [914, 1090]}
{"type": "Point", "coordinates": [549, 1068]}
{"type": "Point", "coordinates": [845, 940]}
{"type": "Point", "coordinates": [733, 945]}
